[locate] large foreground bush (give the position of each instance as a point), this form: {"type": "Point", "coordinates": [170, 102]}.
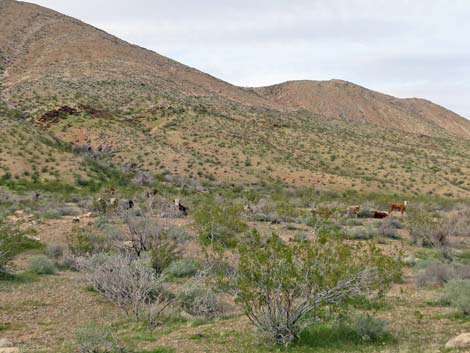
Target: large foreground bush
{"type": "Point", "coordinates": [283, 289]}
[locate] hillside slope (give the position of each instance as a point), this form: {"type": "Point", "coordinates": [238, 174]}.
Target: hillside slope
{"type": "Point", "coordinates": [137, 111]}
{"type": "Point", "coordinates": [51, 59]}
{"type": "Point", "coordinates": [344, 100]}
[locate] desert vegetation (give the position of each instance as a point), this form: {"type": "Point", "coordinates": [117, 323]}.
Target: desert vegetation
{"type": "Point", "coordinates": [257, 266]}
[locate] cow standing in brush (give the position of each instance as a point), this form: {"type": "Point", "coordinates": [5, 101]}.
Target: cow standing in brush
{"type": "Point", "coordinates": [180, 207]}
{"type": "Point", "coordinates": [401, 207]}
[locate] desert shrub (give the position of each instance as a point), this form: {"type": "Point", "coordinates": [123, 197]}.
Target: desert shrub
{"type": "Point", "coordinates": [57, 212]}
{"type": "Point", "coordinates": [286, 212]}
{"type": "Point", "coordinates": [144, 231]}
{"type": "Point", "coordinates": [13, 241]}
{"type": "Point", "coordinates": [457, 294]}
{"type": "Point", "coordinates": [391, 222]}
{"type": "Point", "coordinates": [179, 234]}
{"type": "Point", "coordinates": [365, 213]}
{"type": "Point", "coordinates": [427, 230]}
{"type": "Point", "coordinates": [183, 268]}
{"type": "Point", "coordinates": [84, 241]}
{"type": "Point", "coordinates": [389, 232]}
{"type": "Point", "coordinates": [369, 328]}
{"type": "Point", "coordinates": [54, 250]}
{"type": "Point", "coordinates": [41, 265]}
{"type": "Point", "coordinates": [96, 339]}
{"type": "Point", "coordinates": [52, 213]}
{"type": "Point", "coordinates": [219, 222]}
{"type": "Point", "coordinates": [131, 285]}
{"type": "Point", "coordinates": [163, 252]}
{"type": "Point", "coordinates": [283, 289]}
{"type": "Point", "coordinates": [361, 233]}
{"type": "Point", "coordinates": [351, 222]}
{"type": "Point", "coordinates": [439, 273]}
{"type": "Point", "coordinates": [199, 300]}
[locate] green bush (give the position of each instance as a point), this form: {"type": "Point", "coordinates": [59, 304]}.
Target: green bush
{"type": "Point", "coordinates": [163, 251]}
{"type": "Point", "coordinates": [13, 241]}
{"type": "Point", "coordinates": [183, 268]}
{"type": "Point", "coordinates": [83, 241]}
{"type": "Point", "coordinates": [201, 301]}
{"type": "Point", "coordinates": [284, 288]}
{"type": "Point", "coordinates": [369, 328]}
{"type": "Point", "coordinates": [41, 265]}
{"type": "Point", "coordinates": [361, 233]}
{"type": "Point", "coordinates": [95, 339]}
{"type": "Point", "coordinates": [54, 250]}
{"type": "Point", "coordinates": [365, 213]}
{"type": "Point", "coordinates": [219, 222]}
{"type": "Point", "coordinates": [458, 295]}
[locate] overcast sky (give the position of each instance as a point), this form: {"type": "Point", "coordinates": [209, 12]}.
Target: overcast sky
{"type": "Point", "coordinates": [407, 48]}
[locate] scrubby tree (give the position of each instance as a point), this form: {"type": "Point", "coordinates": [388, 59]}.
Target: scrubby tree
{"type": "Point", "coordinates": [219, 222]}
{"type": "Point", "coordinates": [283, 288]}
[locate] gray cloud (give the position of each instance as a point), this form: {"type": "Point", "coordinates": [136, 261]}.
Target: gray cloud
{"type": "Point", "coordinates": [406, 48]}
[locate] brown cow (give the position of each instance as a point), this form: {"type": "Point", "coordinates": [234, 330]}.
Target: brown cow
{"type": "Point", "coordinates": [380, 214]}
{"type": "Point", "coordinates": [398, 207]}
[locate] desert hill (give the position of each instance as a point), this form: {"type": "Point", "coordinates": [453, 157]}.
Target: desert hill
{"type": "Point", "coordinates": [344, 100]}
{"type": "Point", "coordinates": [46, 54]}
{"type": "Point", "coordinates": [141, 112]}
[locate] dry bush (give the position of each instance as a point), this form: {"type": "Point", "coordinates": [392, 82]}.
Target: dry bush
{"type": "Point", "coordinates": [439, 273]}
{"type": "Point", "coordinates": [144, 231]}
{"type": "Point", "coordinates": [54, 250]}
{"type": "Point", "coordinates": [130, 284]}
{"type": "Point", "coordinates": [458, 295]}
{"type": "Point", "coordinates": [95, 339]}
{"type": "Point", "coordinates": [199, 300]}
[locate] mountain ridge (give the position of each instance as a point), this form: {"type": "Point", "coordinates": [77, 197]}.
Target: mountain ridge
{"type": "Point", "coordinates": [38, 48]}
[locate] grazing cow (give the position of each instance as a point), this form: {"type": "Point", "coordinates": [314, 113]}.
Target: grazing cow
{"type": "Point", "coordinates": [380, 214]}
{"type": "Point", "coordinates": [76, 220]}
{"type": "Point", "coordinates": [352, 211]}
{"type": "Point", "coordinates": [398, 207]}
{"type": "Point", "coordinates": [180, 207]}
{"type": "Point", "coordinates": [130, 204]}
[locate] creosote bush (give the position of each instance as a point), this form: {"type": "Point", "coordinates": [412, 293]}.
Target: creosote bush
{"type": "Point", "coordinates": [369, 328]}
{"type": "Point", "coordinates": [13, 241]}
{"type": "Point", "coordinates": [199, 300]}
{"type": "Point", "coordinates": [183, 268]}
{"type": "Point", "coordinates": [97, 339]}
{"type": "Point", "coordinates": [458, 295]}
{"type": "Point", "coordinates": [439, 273]}
{"type": "Point", "coordinates": [84, 241]}
{"type": "Point", "coordinates": [163, 251]}
{"type": "Point", "coordinates": [219, 222]}
{"type": "Point", "coordinates": [283, 289]}
{"type": "Point", "coordinates": [41, 265]}
{"type": "Point", "coordinates": [54, 250]}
